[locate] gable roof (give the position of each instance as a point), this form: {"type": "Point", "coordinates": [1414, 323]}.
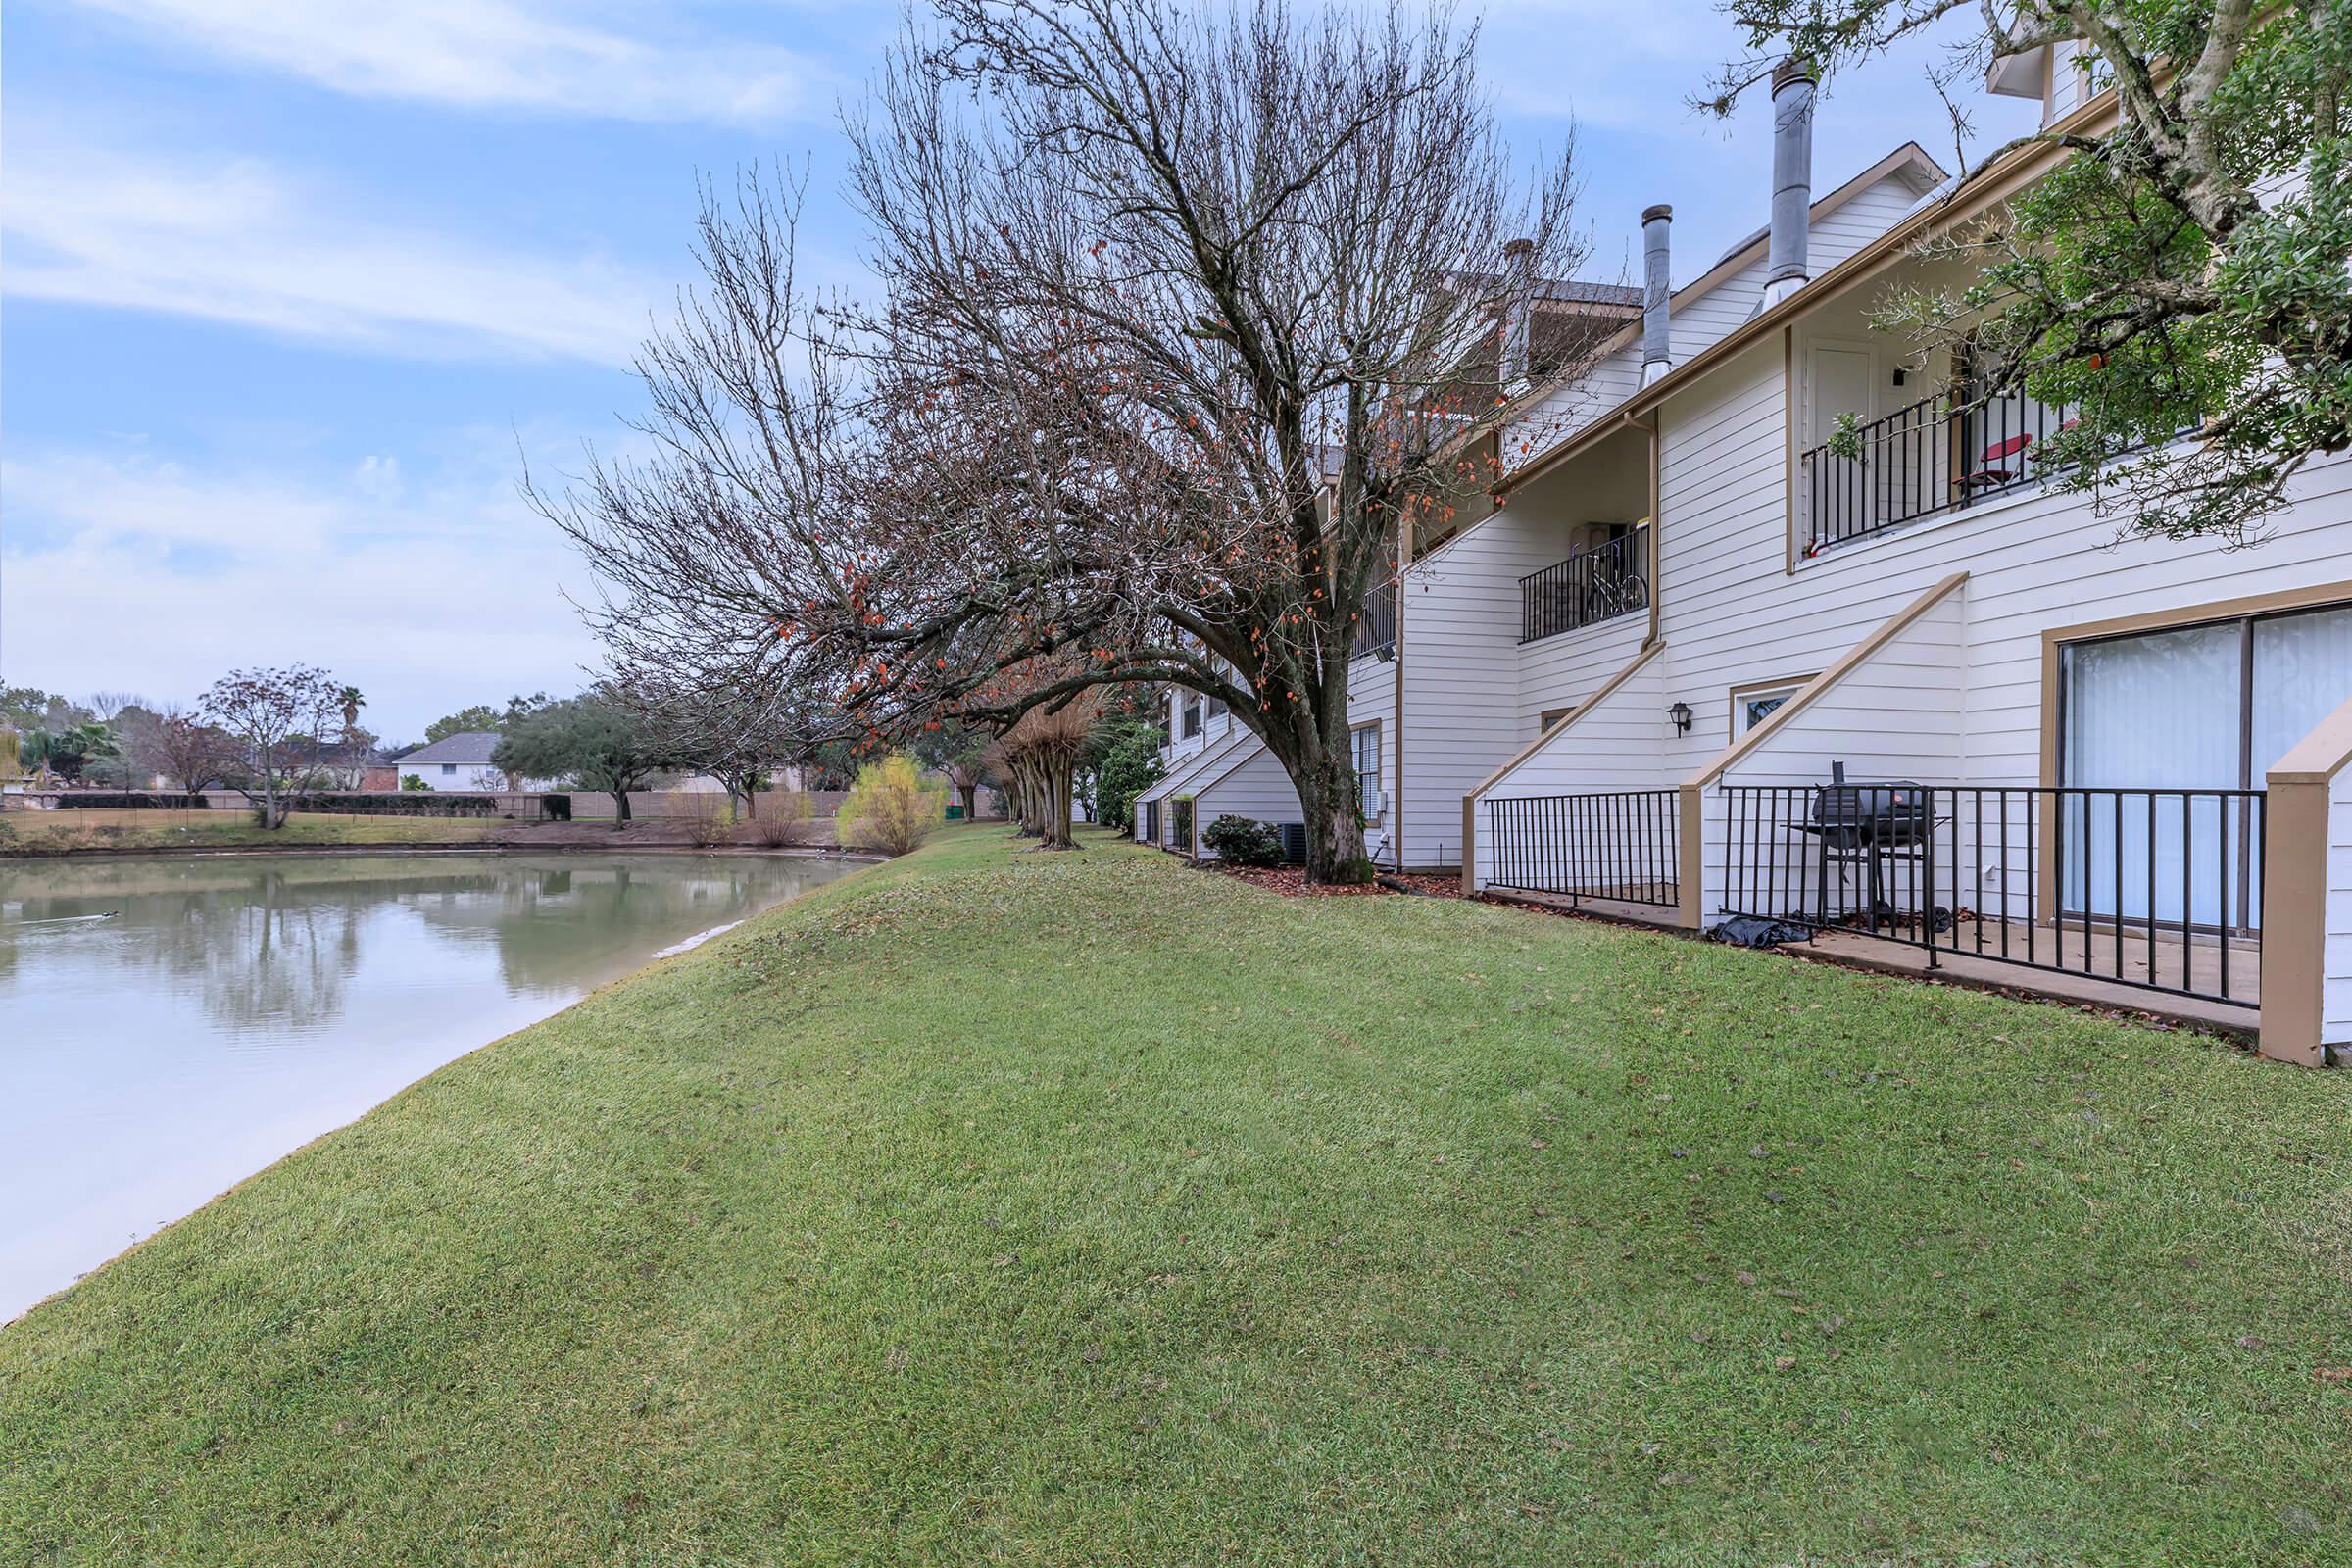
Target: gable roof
{"type": "Point", "coordinates": [1986, 186]}
{"type": "Point", "coordinates": [468, 748]}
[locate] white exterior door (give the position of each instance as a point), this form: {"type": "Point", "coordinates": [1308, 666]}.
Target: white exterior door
{"type": "Point", "coordinates": [1842, 499]}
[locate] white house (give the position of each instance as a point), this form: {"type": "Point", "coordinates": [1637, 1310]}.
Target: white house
{"type": "Point", "coordinates": [2117, 769]}
{"type": "Point", "coordinates": [460, 762]}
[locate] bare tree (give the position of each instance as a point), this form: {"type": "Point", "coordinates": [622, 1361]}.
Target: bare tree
{"type": "Point", "coordinates": [184, 749]}
{"type": "Point", "coordinates": [276, 718]}
{"type": "Point", "coordinates": [1185, 317]}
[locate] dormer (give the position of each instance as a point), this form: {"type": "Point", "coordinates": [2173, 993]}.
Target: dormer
{"type": "Point", "coordinates": [2057, 74]}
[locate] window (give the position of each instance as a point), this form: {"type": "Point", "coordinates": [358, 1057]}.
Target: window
{"type": "Point", "coordinates": [1551, 717]}
{"type": "Point", "coordinates": [1753, 704]}
{"type": "Point", "coordinates": [449, 770]}
{"type": "Point", "coordinates": [1217, 707]}
{"type": "Point", "coordinates": [1365, 739]}
{"type": "Point", "coordinates": [1192, 719]}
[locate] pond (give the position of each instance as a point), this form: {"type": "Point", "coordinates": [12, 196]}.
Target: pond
{"type": "Point", "coordinates": [167, 1027]}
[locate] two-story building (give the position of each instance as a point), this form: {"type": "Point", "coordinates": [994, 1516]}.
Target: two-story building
{"type": "Point", "coordinates": [1901, 694]}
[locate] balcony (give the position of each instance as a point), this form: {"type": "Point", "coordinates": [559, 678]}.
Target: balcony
{"type": "Point", "coordinates": [1376, 622]}
{"type": "Point", "coordinates": [1938, 455]}
{"type": "Point", "coordinates": [1590, 587]}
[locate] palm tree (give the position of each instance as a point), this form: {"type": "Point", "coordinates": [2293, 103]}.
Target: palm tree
{"type": "Point", "coordinates": [65, 751]}
{"type": "Point", "coordinates": [352, 702]}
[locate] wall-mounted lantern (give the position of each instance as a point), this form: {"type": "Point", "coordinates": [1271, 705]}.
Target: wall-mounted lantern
{"type": "Point", "coordinates": [1681, 715]}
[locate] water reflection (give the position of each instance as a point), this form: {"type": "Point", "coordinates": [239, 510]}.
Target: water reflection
{"type": "Point", "coordinates": [231, 1008]}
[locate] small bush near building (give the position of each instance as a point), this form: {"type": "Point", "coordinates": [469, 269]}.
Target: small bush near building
{"type": "Point", "coordinates": [413, 782]}
{"type": "Point", "coordinates": [1240, 841]}
{"type": "Point", "coordinates": [890, 808]}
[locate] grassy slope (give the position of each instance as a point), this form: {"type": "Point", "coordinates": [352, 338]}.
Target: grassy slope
{"type": "Point", "coordinates": [46, 832]}
{"type": "Point", "coordinates": [1043, 1209]}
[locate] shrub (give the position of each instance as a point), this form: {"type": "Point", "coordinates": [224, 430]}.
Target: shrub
{"type": "Point", "coordinates": [706, 820]}
{"type": "Point", "coordinates": [1242, 841]}
{"type": "Point", "coordinates": [782, 821]}
{"type": "Point", "coordinates": [890, 809]}
{"type": "Point", "coordinates": [413, 782]}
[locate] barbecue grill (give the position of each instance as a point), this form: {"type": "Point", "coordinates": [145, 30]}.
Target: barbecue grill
{"type": "Point", "coordinates": [1870, 825]}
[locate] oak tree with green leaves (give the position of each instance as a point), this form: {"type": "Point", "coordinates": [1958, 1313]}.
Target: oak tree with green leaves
{"type": "Point", "coordinates": [2183, 268]}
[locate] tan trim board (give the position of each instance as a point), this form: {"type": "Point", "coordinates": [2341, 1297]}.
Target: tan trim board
{"type": "Point", "coordinates": [2326, 593]}
{"type": "Point", "coordinates": [1826, 681]}
{"type": "Point", "coordinates": [1657, 527]}
{"type": "Point", "coordinates": [1788, 450]}
{"type": "Point", "coordinates": [2294, 910]}
{"type": "Point", "coordinates": [1607, 689]}
{"type": "Point", "coordinates": [2320, 756]}
{"type": "Point", "coordinates": [1469, 845]}
{"type": "Point", "coordinates": [1690, 868]}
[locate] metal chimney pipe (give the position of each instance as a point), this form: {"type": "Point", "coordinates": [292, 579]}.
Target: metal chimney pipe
{"type": "Point", "coordinates": [1658, 293]}
{"type": "Point", "coordinates": [1792, 87]}
{"type": "Point", "coordinates": [1519, 282]}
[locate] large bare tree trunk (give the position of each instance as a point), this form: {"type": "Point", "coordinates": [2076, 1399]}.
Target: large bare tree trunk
{"type": "Point", "coordinates": [620, 808]}
{"type": "Point", "coordinates": [1055, 823]}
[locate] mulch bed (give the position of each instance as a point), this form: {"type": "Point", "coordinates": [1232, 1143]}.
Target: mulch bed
{"type": "Point", "coordinates": [1291, 882]}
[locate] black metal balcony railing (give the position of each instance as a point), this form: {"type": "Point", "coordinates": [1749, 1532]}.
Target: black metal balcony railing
{"type": "Point", "coordinates": [2143, 887]}
{"type": "Point", "coordinates": [1376, 625]}
{"type": "Point", "coordinates": [1589, 586]}
{"type": "Point", "coordinates": [1620, 843]}
{"type": "Point", "coordinates": [1938, 454]}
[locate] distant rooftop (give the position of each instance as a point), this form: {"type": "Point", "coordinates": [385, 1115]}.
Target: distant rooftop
{"type": "Point", "coordinates": [468, 748]}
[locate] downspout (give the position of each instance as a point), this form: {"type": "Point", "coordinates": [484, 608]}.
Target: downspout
{"type": "Point", "coordinates": [1658, 553]}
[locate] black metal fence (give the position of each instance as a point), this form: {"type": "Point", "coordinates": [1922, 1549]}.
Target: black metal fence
{"type": "Point", "coordinates": [1937, 453]}
{"type": "Point", "coordinates": [1624, 845]}
{"type": "Point", "coordinates": [2156, 888]}
{"type": "Point", "coordinates": [1591, 586]}
{"type": "Point", "coordinates": [1376, 625]}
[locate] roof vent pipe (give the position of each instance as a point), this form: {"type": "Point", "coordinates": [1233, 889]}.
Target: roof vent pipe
{"type": "Point", "coordinates": [1792, 180]}
{"type": "Point", "coordinates": [1519, 284]}
{"type": "Point", "coordinates": [1658, 293]}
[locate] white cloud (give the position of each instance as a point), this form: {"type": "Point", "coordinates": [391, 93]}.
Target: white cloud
{"type": "Point", "coordinates": [510, 54]}
{"type": "Point", "coordinates": [234, 241]}
{"type": "Point", "coordinates": [126, 572]}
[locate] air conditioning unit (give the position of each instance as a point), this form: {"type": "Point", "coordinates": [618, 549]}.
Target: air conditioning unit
{"type": "Point", "coordinates": [1294, 842]}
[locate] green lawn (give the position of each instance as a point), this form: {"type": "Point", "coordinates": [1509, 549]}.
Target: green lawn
{"type": "Point", "coordinates": [99, 827]}
{"type": "Point", "coordinates": [1085, 1209]}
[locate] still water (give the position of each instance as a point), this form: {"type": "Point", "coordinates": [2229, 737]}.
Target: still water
{"type": "Point", "coordinates": [170, 1027]}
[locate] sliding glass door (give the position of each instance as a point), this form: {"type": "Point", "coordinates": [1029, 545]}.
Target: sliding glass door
{"type": "Point", "coordinates": [2209, 706]}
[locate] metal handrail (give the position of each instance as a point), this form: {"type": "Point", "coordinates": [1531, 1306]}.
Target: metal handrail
{"type": "Point", "coordinates": [1590, 587]}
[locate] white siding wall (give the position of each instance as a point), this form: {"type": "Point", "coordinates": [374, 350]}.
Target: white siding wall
{"type": "Point", "coordinates": [1257, 787]}
{"type": "Point", "coordinates": [2335, 994]}
{"type": "Point", "coordinates": [1698, 323]}
{"type": "Point", "coordinates": [1899, 714]}
{"type": "Point", "coordinates": [1613, 745]}
{"type": "Point", "coordinates": [1460, 608]}
{"type": "Point", "coordinates": [1562, 671]}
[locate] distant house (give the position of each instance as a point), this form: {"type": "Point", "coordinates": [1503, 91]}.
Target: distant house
{"type": "Point", "coordinates": [460, 762]}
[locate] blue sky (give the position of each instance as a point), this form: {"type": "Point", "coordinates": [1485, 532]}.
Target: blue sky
{"type": "Point", "coordinates": [286, 283]}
